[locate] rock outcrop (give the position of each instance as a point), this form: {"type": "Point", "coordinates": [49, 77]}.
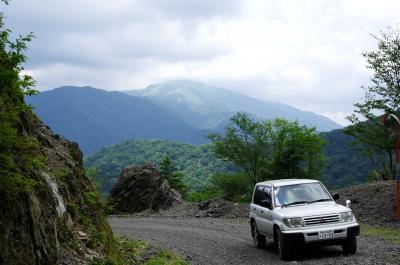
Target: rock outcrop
{"type": "Point", "coordinates": [59, 221]}
{"type": "Point", "coordinates": [141, 188]}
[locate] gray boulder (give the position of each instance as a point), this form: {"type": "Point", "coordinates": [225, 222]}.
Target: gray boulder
{"type": "Point", "coordinates": [141, 188]}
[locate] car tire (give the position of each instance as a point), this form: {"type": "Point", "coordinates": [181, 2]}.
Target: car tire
{"type": "Point", "coordinates": [258, 239]}
{"type": "Point", "coordinates": [284, 249]}
{"type": "Point", "coordinates": [350, 246]}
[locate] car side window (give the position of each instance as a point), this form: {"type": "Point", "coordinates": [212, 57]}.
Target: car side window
{"type": "Point", "coordinates": [261, 193]}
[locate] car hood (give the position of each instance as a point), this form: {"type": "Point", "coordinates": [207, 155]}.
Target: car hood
{"type": "Point", "coordinates": [319, 208]}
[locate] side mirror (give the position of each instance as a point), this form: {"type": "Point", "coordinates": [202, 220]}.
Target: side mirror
{"type": "Point", "coordinates": [266, 203]}
{"type": "Point", "coordinates": [335, 196]}
{"type": "Point", "coordinates": [348, 203]}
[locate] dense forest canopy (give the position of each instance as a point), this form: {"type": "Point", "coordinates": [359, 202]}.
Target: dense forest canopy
{"type": "Point", "coordinates": [195, 162]}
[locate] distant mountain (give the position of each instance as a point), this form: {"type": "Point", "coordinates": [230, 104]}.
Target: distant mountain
{"type": "Point", "coordinates": [208, 107]}
{"type": "Point", "coordinates": [96, 118]}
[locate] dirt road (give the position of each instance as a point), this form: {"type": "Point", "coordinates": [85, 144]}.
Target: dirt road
{"type": "Point", "coordinates": [209, 241]}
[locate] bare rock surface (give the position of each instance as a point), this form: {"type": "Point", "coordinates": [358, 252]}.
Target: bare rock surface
{"type": "Point", "coordinates": [43, 226]}
{"type": "Point", "coordinates": [141, 188]}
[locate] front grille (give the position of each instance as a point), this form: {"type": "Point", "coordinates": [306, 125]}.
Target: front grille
{"type": "Point", "coordinates": [321, 220]}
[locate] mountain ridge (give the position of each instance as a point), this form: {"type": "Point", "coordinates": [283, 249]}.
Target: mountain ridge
{"type": "Point", "coordinates": [96, 118]}
{"type": "Point", "coordinates": [210, 107]}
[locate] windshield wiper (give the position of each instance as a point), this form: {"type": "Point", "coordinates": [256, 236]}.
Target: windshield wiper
{"type": "Point", "coordinates": [293, 203]}
{"type": "Point", "coordinates": [320, 200]}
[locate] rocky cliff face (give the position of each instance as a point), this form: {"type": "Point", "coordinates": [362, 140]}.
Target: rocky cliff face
{"type": "Point", "coordinates": [141, 188]}
{"type": "Point", "coordinates": [60, 220]}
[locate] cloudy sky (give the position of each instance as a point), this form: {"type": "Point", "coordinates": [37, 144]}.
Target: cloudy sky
{"type": "Point", "coordinates": [303, 53]}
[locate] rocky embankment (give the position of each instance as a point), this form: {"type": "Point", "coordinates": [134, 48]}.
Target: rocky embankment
{"type": "Point", "coordinates": [372, 203]}
{"type": "Point", "coordinates": [60, 220]}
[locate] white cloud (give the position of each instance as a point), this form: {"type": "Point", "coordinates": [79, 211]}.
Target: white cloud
{"type": "Point", "coordinates": [303, 53]}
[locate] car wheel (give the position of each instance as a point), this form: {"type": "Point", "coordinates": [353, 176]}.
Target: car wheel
{"type": "Point", "coordinates": [350, 246]}
{"type": "Point", "coordinates": [284, 250]}
{"type": "Point", "coordinates": [259, 240]}
{"type": "Point", "coordinates": [276, 238]}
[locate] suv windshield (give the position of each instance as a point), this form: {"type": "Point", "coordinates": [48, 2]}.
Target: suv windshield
{"type": "Point", "coordinates": [300, 193]}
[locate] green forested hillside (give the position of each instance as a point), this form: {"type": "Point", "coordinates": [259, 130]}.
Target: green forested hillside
{"type": "Point", "coordinates": [343, 167]}
{"type": "Point", "coordinates": [196, 162]}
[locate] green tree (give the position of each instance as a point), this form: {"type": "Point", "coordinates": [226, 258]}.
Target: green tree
{"type": "Point", "coordinates": [245, 143]}
{"type": "Point", "coordinates": [18, 151]}
{"type": "Point", "coordinates": [167, 168]}
{"type": "Point", "coordinates": [296, 151]}
{"type": "Point", "coordinates": [382, 96]}
{"type": "Point", "coordinates": [271, 149]}
{"type": "Point", "coordinates": [231, 185]}
{"type": "Point", "coordinates": [169, 172]}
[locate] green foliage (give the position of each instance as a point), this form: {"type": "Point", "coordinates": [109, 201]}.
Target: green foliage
{"type": "Point", "coordinates": [232, 185]}
{"type": "Point", "coordinates": [196, 163]}
{"type": "Point", "coordinates": [204, 195]}
{"type": "Point", "coordinates": [137, 252]}
{"type": "Point", "coordinates": [73, 210]}
{"type": "Point", "coordinates": [244, 143]}
{"type": "Point", "coordinates": [271, 149]}
{"type": "Point", "coordinates": [381, 97]}
{"type": "Point", "coordinates": [165, 258]}
{"type": "Point", "coordinates": [344, 165]}
{"type": "Point", "coordinates": [18, 151]}
{"type": "Point", "coordinates": [169, 172]}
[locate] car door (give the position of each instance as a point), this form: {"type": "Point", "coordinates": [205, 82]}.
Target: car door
{"type": "Point", "coordinates": [262, 211]}
{"type": "Point", "coordinates": [266, 211]}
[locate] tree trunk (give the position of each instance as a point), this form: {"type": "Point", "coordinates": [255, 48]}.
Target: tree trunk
{"type": "Point", "coordinates": [392, 170]}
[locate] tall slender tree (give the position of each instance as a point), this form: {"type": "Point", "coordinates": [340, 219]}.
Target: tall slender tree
{"type": "Point", "coordinates": [382, 96]}
{"type": "Point", "coordinates": [169, 172]}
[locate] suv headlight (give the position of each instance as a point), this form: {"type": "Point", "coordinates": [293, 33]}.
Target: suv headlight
{"type": "Point", "coordinates": [293, 222]}
{"type": "Point", "coordinates": [346, 217]}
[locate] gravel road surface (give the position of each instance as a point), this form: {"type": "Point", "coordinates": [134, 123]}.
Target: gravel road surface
{"type": "Point", "coordinates": [209, 241]}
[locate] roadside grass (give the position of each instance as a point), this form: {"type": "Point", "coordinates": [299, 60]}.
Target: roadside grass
{"type": "Point", "coordinates": [165, 258]}
{"type": "Point", "coordinates": [136, 252]}
{"type": "Point", "coordinates": [390, 234]}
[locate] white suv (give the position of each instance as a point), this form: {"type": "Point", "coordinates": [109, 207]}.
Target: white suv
{"type": "Point", "coordinates": [294, 212]}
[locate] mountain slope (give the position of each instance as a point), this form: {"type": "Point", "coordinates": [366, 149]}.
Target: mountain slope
{"type": "Point", "coordinates": [205, 106]}
{"type": "Point", "coordinates": [95, 118]}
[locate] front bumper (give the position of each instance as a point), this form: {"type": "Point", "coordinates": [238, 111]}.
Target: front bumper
{"type": "Point", "coordinates": [310, 235]}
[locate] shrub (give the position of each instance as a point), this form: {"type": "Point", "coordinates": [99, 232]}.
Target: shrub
{"type": "Point", "coordinates": [231, 185]}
